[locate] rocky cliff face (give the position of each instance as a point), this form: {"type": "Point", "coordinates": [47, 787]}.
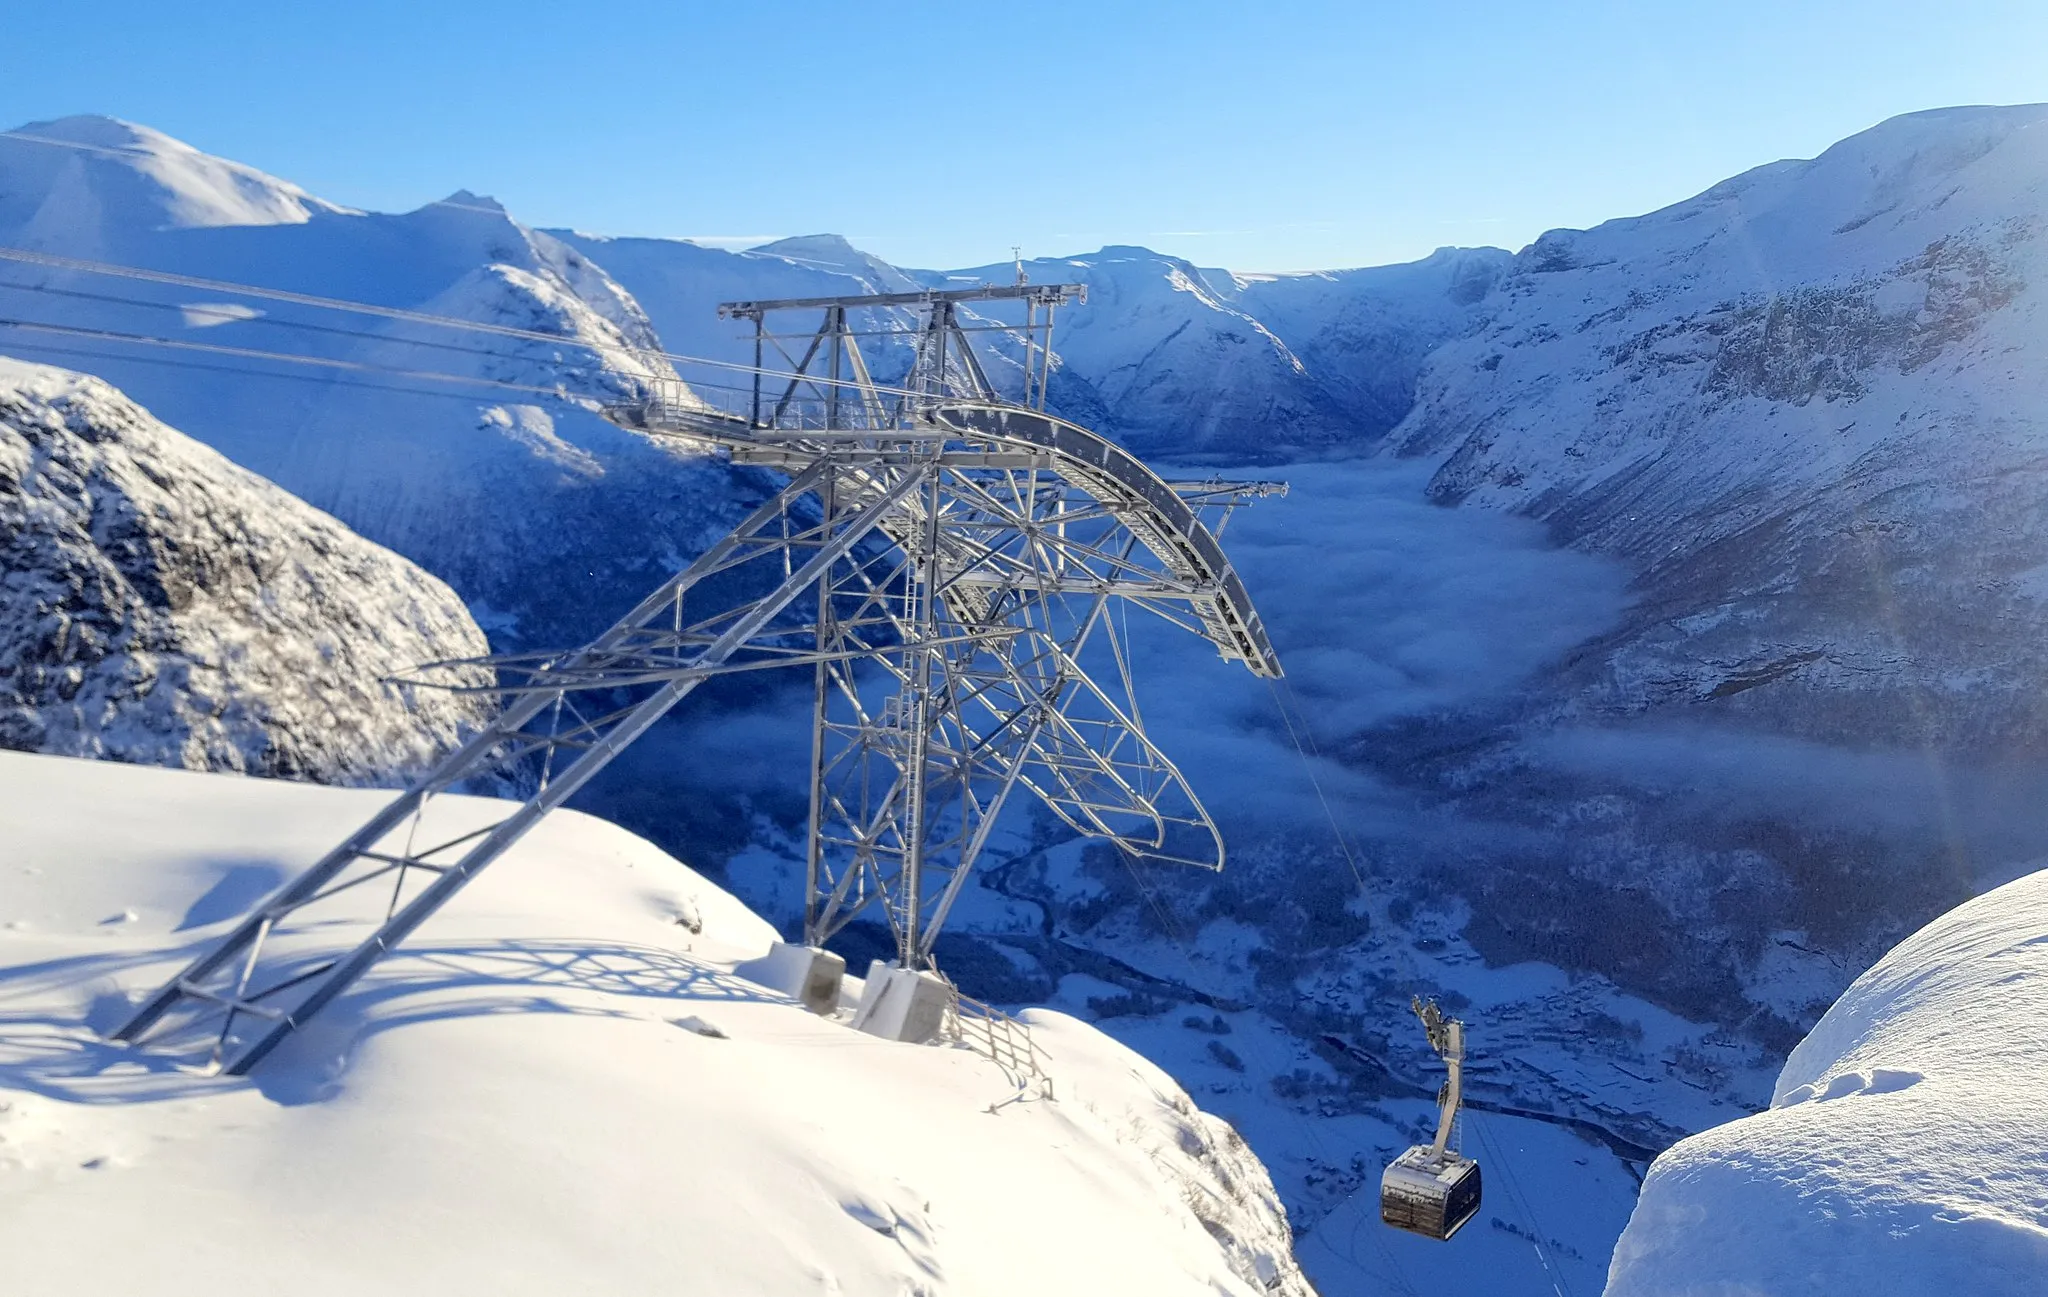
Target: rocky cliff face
{"type": "Point", "coordinates": [161, 605]}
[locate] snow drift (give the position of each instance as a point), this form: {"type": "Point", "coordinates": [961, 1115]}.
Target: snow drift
{"type": "Point", "coordinates": [1902, 1152]}
{"type": "Point", "coordinates": [559, 1085]}
{"type": "Point", "coordinates": [160, 605]}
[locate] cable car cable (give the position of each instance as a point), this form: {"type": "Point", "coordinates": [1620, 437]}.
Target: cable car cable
{"type": "Point", "coordinates": [252, 353]}
{"type": "Point", "coordinates": [1495, 1153]}
{"type": "Point", "coordinates": [308, 327]}
{"type": "Point", "coordinates": [84, 266]}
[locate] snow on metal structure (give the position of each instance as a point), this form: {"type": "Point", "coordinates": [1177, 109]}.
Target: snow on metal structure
{"type": "Point", "coordinates": [956, 569]}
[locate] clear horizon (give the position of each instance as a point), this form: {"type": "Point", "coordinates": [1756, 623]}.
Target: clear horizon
{"type": "Point", "coordinates": [1326, 136]}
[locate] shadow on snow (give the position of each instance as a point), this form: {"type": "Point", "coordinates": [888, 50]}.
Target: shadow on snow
{"type": "Point", "coordinates": [53, 1014]}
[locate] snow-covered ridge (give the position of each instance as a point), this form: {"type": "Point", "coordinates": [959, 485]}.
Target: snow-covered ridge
{"type": "Point", "coordinates": [1169, 357]}
{"type": "Point", "coordinates": [159, 604]}
{"type": "Point", "coordinates": [559, 1085]}
{"type": "Point", "coordinates": [1902, 1151]}
{"type": "Point", "coordinates": [1181, 361]}
{"type": "Point", "coordinates": [1650, 368]}
{"type": "Point", "coordinates": [530, 505]}
{"type": "Point", "coordinates": [82, 180]}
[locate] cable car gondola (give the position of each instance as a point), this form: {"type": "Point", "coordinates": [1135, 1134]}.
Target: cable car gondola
{"type": "Point", "coordinates": [1430, 1189]}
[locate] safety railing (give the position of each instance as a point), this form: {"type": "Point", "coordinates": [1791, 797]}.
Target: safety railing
{"type": "Point", "coordinates": [998, 1037]}
{"type": "Point", "coordinates": [667, 402]}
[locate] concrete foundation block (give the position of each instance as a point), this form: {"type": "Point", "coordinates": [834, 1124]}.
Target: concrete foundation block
{"type": "Point", "coordinates": [902, 1004]}
{"type": "Point", "coordinates": [810, 975]}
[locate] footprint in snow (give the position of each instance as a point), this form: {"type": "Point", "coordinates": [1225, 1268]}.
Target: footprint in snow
{"type": "Point", "coordinates": [1878, 1080]}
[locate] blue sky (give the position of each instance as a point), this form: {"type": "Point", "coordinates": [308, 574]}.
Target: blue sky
{"type": "Point", "coordinates": [1259, 135]}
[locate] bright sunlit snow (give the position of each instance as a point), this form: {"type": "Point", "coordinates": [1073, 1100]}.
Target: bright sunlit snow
{"type": "Point", "coordinates": [1903, 1151]}
{"type": "Point", "coordinates": [527, 1099]}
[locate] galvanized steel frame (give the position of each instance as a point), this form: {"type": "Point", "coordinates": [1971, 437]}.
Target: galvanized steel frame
{"type": "Point", "coordinates": [965, 557]}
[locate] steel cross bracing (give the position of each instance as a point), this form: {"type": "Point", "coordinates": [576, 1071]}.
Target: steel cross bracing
{"type": "Point", "coordinates": [956, 570]}
{"type": "Point", "coordinates": [991, 656]}
{"type": "Point", "coordinates": [562, 723]}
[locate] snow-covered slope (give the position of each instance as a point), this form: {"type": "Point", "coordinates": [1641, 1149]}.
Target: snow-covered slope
{"type": "Point", "coordinates": [1798, 404]}
{"type": "Point", "coordinates": [1902, 1152]}
{"type": "Point", "coordinates": [159, 604]}
{"type": "Point", "coordinates": [559, 1085]}
{"type": "Point", "coordinates": [680, 284]}
{"type": "Point", "coordinates": [535, 509]}
{"type": "Point", "coordinates": [1159, 360]}
{"type": "Point", "coordinates": [1365, 334]}
{"type": "Point", "coordinates": [89, 185]}
{"type": "Point", "coordinates": [833, 252]}
{"type": "Point", "coordinates": [1803, 408]}
{"type": "Point", "coordinates": [1798, 323]}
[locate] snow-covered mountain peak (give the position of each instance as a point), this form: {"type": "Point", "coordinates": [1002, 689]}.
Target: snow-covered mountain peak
{"type": "Point", "coordinates": [1127, 252]}
{"type": "Point", "coordinates": [833, 252]}
{"type": "Point", "coordinates": [1795, 280]}
{"type": "Point", "coordinates": [63, 183]}
{"type": "Point", "coordinates": [1883, 193]}
{"type": "Point", "coordinates": [463, 199]}
{"type": "Point", "coordinates": [1894, 159]}
{"type": "Point", "coordinates": [476, 224]}
{"type": "Point", "coordinates": [1135, 263]}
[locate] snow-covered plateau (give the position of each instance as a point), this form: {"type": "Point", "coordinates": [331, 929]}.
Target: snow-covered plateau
{"type": "Point", "coordinates": [560, 1085]}
{"type": "Point", "coordinates": [1902, 1151]}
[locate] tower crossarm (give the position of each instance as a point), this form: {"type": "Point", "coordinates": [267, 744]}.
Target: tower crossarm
{"type": "Point", "coordinates": [1038, 294]}
{"type": "Point", "coordinates": [960, 436]}
{"type": "Point", "coordinates": [1161, 518]}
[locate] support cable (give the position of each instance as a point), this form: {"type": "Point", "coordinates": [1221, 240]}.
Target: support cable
{"type": "Point", "coordinates": [1559, 1282]}
{"type": "Point", "coordinates": [83, 266]}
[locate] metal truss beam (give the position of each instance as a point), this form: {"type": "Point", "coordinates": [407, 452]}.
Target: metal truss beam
{"type": "Point", "coordinates": [249, 974]}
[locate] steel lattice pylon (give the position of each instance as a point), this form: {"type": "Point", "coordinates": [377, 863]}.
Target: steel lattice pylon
{"type": "Point", "coordinates": [954, 568]}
